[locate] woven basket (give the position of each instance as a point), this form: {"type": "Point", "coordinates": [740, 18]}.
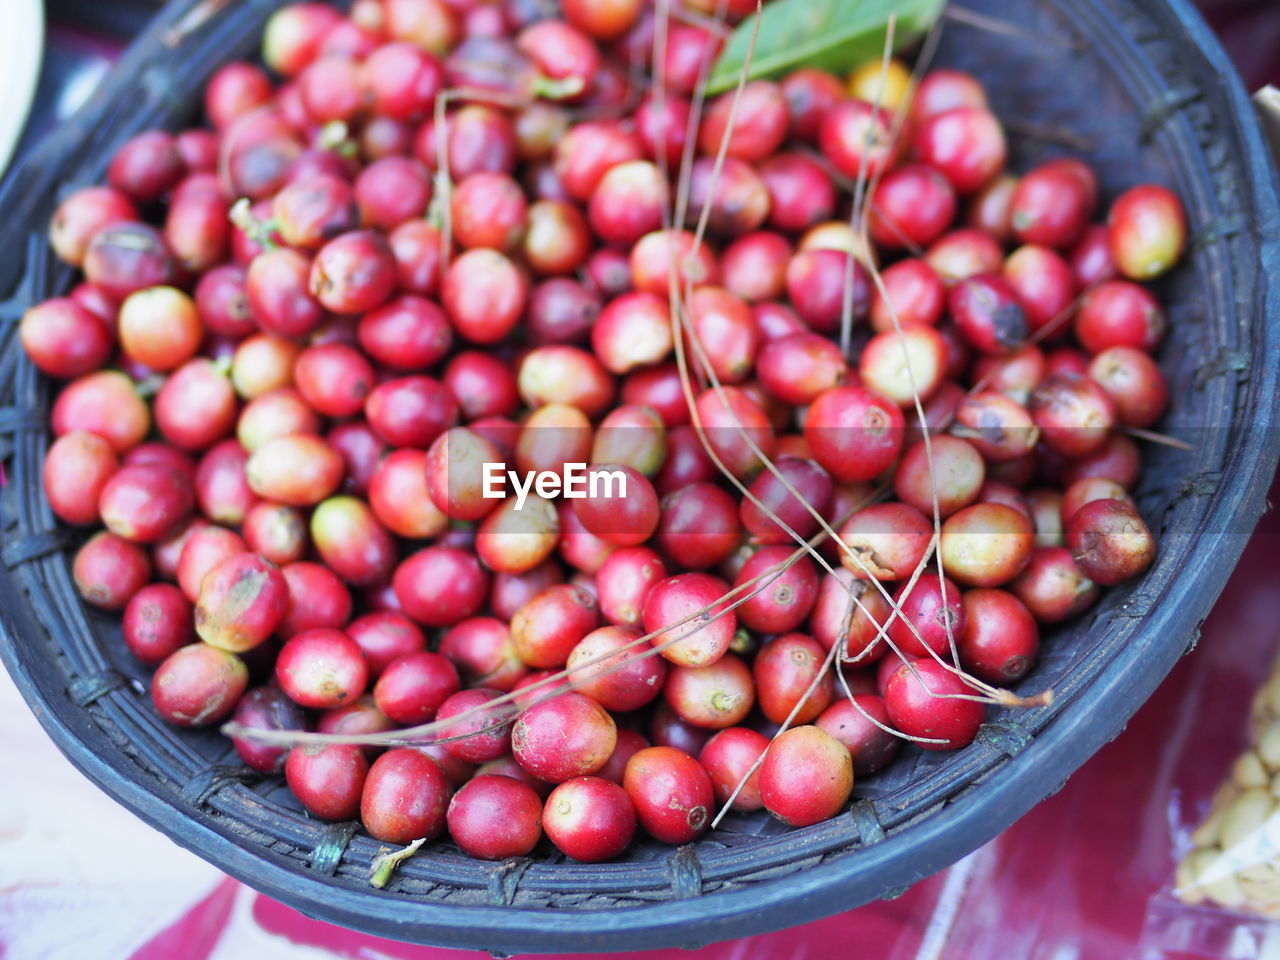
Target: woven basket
{"type": "Point", "coordinates": [1149, 94]}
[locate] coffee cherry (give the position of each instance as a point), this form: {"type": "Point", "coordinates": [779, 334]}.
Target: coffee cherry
{"type": "Point", "coordinates": [694, 597]}
{"type": "Point", "coordinates": [857, 138]}
{"type": "Point", "coordinates": [806, 776]}
{"type": "Point", "coordinates": [568, 736]}
{"type": "Point", "coordinates": [671, 793]}
{"type": "Point", "coordinates": [912, 205]}
{"type": "Point", "coordinates": [986, 545]}
{"type": "Point", "coordinates": [966, 144]}
{"type": "Point", "coordinates": [1053, 203]}
{"type": "Point", "coordinates": [1147, 231]}
{"type": "Point", "coordinates": [242, 601]}
{"type": "Point", "coordinates": [854, 433]}
{"type": "Point", "coordinates": [589, 818]}
{"type": "Point", "coordinates": [871, 747]}
{"type": "Point", "coordinates": [1052, 587]}
{"type": "Point", "coordinates": [925, 699]}
{"type": "Point", "coordinates": [1110, 542]}
{"type": "Point", "coordinates": [404, 797]}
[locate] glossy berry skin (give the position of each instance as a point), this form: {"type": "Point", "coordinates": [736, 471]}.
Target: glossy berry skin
{"type": "Point", "coordinates": [495, 817]}
{"type": "Point", "coordinates": [278, 293]}
{"type": "Point", "coordinates": [82, 215]}
{"type": "Point", "coordinates": [488, 210]}
{"type": "Point", "coordinates": [816, 282]}
{"type": "Point", "coordinates": [198, 685]}
{"type": "Point", "coordinates": [1053, 203]}
{"type": "Point", "coordinates": [328, 779]}
{"type": "Point", "coordinates": [1052, 587]}
{"type": "Point", "coordinates": [671, 793]}
{"type": "Point", "coordinates": [677, 598]}
{"type": "Point", "coordinates": [383, 636]}
{"type": "Point", "coordinates": [547, 628]}
{"type": "Point", "coordinates": [622, 681]}
{"type": "Point", "coordinates": [1000, 639]}
{"type": "Point", "coordinates": [313, 210]}
{"type": "Point", "coordinates": [124, 257]}
{"type": "Point", "coordinates": [711, 697]}
{"type": "Point", "coordinates": [354, 273]}
{"type": "Point", "coordinates": [727, 757]}
{"type": "Point", "coordinates": [1110, 542]}
{"type": "Point", "coordinates": [108, 570]}
{"type": "Point", "coordinates": [801, 193]}
{"type": "Point", "coordinates": [784, 598]}
{"type": "Point", "coordinates": [999, 428]}
{"type": "Point", "coordinates": [986, 545]}
{"type": "Point", "coordinates": [77, 467]}
{"type": "Point", "coordinates": [413, 686]}
{"type": "Point", "coordinates": [806, 776]}
{"type": "Point", "coordinates": [299, 470]}
{"type": "Point", "coordinates": [589, 818]}
{"type": "Point", "coordinates": [623, 520]}
{"type": "Point", "coordinates": [405, 797]}
{"type": "Point", "coordinates": [886, 541]}
{"type": "Point", "coordinates": [759, 122]}
{"type": "Point", "coordinates": [857, 138]}
{"type": "Point", "coordinates": [64, 340]}
{"type": "Point", "coordinates": [1119, 313]}
{"type": "Point", "coordinates": [699, 526]}
{"type": "Point", "coordinates": [410, 411]}
{"type": "Point", "coordinates": [1147, 231]}
{"type": "Point", "coordinates": [912, 205]}
{"type": "Point", "coordinates": [322, 669]}
{"type": "Point", "coordinates": [854, 433]}
{"type": "Point", "coordinates": [988, 313]}
{"type": "Point", "coordinates": [351, 541]}
{"type": "Point", "coordinates": [966, 144]}
{"type": "Point", "coordinates": [784, 671]}
{"type": "Point", "coordinates": [815, 488]}
{"type": "Point", "coordinates": [913, 293]}
{"type": "Point", "coordinates": [1133, 382]}
{"type": "Point", "coordinates": [157, 622]}
{"type": "Point", "coordinates": [932, 616]}
{"type": "Point", "coordinates": [798, 368]}
{"type": "Point", "coordinates": [727, 413]}
{"type": "Point", "coordinates": [317, 599]}
{"type": "Point", "coordinates": [483, 293]}
{"type": "Point", "coordinates": [871, 747]}
{"type": "Point", "coordinates": [266, 708]}
{"type": "Point", "coordinates": [481, 737]}
{"type": "Point", "coordinates": [1074, 414]}
{"type": "Point", "coordinates": [403, 80]}
{"type": "Point", "coordinates": [334, 379]}
{"type": "Point", "coordinates": [203, 550]}
{"type": "Point", "coordinates": [928, 707]}
{"type": "Point", "coordinates": [196, 406]}
{"type": "Point", "coordinates": [950, 472]}
{"type": "Point", "coordinates": [146, 166]}
{"type": "Point", "coordinates": [567, 736]}
{"type": "Point", "coordinates": [905, 365]}
{"type": "Point", "coordinates": [242, 600]}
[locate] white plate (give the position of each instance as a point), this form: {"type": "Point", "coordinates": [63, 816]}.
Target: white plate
{"type": "Point", "coordinates": [21, 48]}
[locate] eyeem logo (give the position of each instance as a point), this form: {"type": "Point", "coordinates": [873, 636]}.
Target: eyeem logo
{"type": "Point", "coordinates": [575, 484]}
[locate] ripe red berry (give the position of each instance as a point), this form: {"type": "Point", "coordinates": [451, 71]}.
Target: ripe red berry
{"type": "Point", "coordinates": [927, 700]}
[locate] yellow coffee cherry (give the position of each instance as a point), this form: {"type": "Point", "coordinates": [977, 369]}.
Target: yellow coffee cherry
{"type": "Point", "coordinates": [864, 83]}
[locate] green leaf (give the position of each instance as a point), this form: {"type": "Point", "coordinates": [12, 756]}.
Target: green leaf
{"type": "Point", "coordinates": [834, 35]}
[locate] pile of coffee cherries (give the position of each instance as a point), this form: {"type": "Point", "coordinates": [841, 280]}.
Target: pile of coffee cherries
{"type": "Point", "coordinates": [428, 245]}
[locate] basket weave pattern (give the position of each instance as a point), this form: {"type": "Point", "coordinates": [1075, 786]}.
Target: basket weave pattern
{"type": "Point", "coordinates": [1124, 76]}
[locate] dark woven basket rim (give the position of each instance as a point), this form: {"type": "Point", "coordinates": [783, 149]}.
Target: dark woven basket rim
{"type": "Point", "coordinates": [775, 881]}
